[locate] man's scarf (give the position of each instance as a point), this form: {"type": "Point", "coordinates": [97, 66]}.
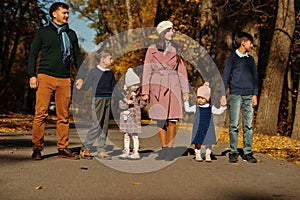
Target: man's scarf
{"type": "Point", "coordinates": [65, 44]}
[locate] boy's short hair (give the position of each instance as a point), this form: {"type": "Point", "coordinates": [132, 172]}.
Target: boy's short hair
{"type": "Point", "coordinates": [102, 53]}
{"type": "Point", "coordinates": [55, 6]}
{"type": "Point", "coordinates": [242, 36]}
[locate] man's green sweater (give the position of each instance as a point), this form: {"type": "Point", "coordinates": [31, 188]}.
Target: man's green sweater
{"type": "Point", "coordinates": [47, 41]}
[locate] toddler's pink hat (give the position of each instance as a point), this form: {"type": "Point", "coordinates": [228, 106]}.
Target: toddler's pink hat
{"type": "Point", "coordinates": [204, 91]}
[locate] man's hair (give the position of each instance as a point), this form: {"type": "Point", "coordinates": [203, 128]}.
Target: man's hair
{"type": "Point", "coordinates": [242, 36]}
{"type": "Point", "coordinates": [102, 53]}
{"type": "Point", "coordinates": [55, 6]}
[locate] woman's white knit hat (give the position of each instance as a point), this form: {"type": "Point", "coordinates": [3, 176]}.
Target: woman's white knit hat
{"type": "Point", "coordinates": [131, 78]}
{"type": "Point", "coordinates": [163, 26]}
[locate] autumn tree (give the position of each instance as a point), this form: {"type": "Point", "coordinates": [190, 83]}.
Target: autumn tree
{"type": "Point", "coordinates": [19, 20]}
{"type": "Point", "coordinates": [267, 116]}
{"type": "Point", "coordinates": [212, 23]}
{"type": "Point", "coordinates": [110, 17]}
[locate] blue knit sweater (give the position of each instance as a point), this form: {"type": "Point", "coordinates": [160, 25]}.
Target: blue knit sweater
{"type": "Point", "coordinates": [101, 81]}
{"type": "Point", "coordinates": [242, 75]}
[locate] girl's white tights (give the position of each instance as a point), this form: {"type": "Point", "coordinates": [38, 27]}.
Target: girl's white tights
{"type": "Point", "coordinates": [135, 140]}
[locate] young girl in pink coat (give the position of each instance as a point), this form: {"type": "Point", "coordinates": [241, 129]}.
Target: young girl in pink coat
{"type": "Point", "coordinates": [164, 83]}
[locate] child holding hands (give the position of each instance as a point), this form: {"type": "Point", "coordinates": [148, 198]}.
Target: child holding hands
{"type": "Point", "coordinates": [130, 116]}
{"type": "Point", "coordinates": [203, 128]}
{"type": "Point", "coordinates": [103, 82]}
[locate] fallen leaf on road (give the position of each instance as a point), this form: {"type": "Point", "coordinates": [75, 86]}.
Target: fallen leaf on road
{"type": "Point", "coordinates": [136, 183]}
{"type": "Point", "coordinates": [84, 168]}
{"type": "Point", "coordinates": [39, 187]}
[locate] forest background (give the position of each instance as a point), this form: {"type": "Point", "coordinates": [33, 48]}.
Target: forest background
{"type": "Point", "coordinates": [275, 25]}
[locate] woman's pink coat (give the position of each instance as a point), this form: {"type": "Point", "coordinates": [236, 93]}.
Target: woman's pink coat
{"type": "Point", "coordinates": [164, 80]}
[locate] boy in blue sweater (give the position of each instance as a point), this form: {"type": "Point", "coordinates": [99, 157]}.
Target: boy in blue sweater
{"type": "Point", "coordinates": [102, 81]}
{"type": "Point", "coordinates": [241, 74]}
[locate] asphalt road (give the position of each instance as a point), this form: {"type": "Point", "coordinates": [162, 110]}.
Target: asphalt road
{"type": "Point", "coordinates": [184, 178]}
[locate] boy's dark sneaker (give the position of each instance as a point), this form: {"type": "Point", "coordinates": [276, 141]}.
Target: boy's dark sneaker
{"type": "Point", "coordinates": [233, 157]}
{"type": "Point", "coordinates": [249, 158]}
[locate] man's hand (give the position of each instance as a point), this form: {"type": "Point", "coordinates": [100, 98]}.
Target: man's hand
{"type": "Point", "coordinates": [223, 101]}
{"type": "Point", "coordinates": [33, 83]}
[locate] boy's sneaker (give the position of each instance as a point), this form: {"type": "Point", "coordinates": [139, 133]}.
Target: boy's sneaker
{"type": "Point", "coordinates": [125, 154]}
{"type": "Point", "coordinates": [207, 158]}
{"type": "Point", "coordinates": [134, 156]}
{"type": "Point", "coordinates": [233, 157]}
{"type": "Point", "coordinates": [104, 156]}
{"type": "Point", "coordinates": [249, 158]}
{"type": "Point", "coordinates": [84, 153]}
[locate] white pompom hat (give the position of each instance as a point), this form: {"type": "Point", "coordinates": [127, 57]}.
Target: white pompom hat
{"type": "Point", "coordinates": [131, 78]}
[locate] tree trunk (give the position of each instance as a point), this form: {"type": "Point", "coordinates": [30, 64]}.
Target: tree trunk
{"type": "Point", "coordinates": [296, 126]}
{"type": "Point", "coordinates": [267, 116]}
{"type": "Point", "coordinates": [224, 46]}
{"type": "Point", "coordinates": [290, 97]}
{"type": "Point", "coordinates": [207, 24]}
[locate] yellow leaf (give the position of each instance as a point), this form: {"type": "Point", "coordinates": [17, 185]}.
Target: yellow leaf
{"type": "Point", "coordinates": [39, 187]}
{"type": "Point", "coordinates": [136, 183]}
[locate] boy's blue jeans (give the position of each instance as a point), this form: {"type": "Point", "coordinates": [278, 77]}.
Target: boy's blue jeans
{"type": "Point", "coordinates": [244, 103]}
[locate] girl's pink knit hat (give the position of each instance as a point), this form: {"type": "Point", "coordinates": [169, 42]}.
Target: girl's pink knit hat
{"type": "Point", "coordinates": [204, 91]}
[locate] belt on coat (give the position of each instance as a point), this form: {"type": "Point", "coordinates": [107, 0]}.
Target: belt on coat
{"type": "Point", "coordinates": [165, 74]}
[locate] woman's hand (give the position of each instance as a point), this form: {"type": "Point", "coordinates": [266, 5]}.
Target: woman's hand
{"type": "Point", "coordinates": [145, 97]}
{"type": "Point", "coordinates": [186, 96]}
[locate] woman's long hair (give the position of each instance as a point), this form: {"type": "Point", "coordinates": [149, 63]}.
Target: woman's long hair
{"type": "Point", "coordinates": [161, 45]}
{"type": "Point", "coordinates": [161, 41]}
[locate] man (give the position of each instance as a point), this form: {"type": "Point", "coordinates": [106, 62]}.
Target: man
{"type": "Point", "coordinates": [58, 46]}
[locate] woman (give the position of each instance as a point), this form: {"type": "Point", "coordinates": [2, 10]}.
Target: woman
{"type": "Point", "coordinates": [164, 82]}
